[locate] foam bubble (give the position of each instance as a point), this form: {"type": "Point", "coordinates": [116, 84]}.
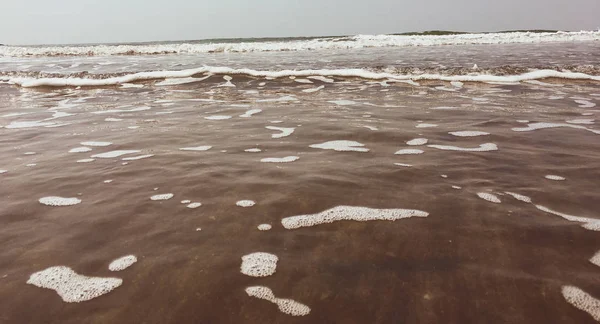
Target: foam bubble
{"type": "Point", "coordinates": [253, 150]}
{"type": "Point", "coordinates": [339, 213]}
{"type": "Point", "coordinates": [468, 133]}
{"type": "Point", "coordinates": [341, 146]}
{"type": "Point", "coordinates": [519, 197]}
{"type": "Point", "coordinates": [554, 177]}
{"type": "Point", "coordinates": [489, 197]}
{"type": "Point", "coordinates": [114, 154]}
{"type": "Point", "coordinates": [285, 131]}
{"type": "Point", "coordinates": [280, 160]}
{"type": "Point", "coordinates": [3, 171]}
{"type": "Point", "coordinates": [80, 150]}
{"type": "Point", "coordinates": [482, 148]}
{"type": "Point", "coordinates": [162, 196]}
{"type": "Point", "coordinates": [409, 151]}
{"type": "Point", "coordinates": [403, 164]}
{"type": "Point", "coordinates": [264, 227]}
{"type": "Point", "coordinates": [139, 157]}
{"type": "Point", "coordinates": [196, 148]}
{"type": "Point", "coordinates": [259, 264]}
{"type": "Point", "coordinates": [108, 181]}
{"type": "Point", "coordinates": [287, 306]}
{"type": "Point", "coordinates": [536, 126]}
{"type": "Point", "coordinates": [245, 203]}
{"type": "Point", "coordinates": [444, 176]}
{"type": "Point", "coordinates": [186, 201]}
{"type": "Point", "coordinates": [250, 112]}
{"type": "Point", "coordinates": [313, 89]}
{"type": "Point", "coordinates": [73, 287]}
{"type": "Point", "coordinates": [59, 201]}
{"type": "Point", "coordinates": [31, 165]}
{"type": "Point", "coordinates": [29, 153]}
{"type": "Point", "coordinates": [122, 263]}
{"type": "Point", "coordinates": [217, 117]}
{"type": "Point", "coordinates": [343, 102]}
{"type": "Point", "coordinates": [456, 187]}
{"type": "Point", "coordinates": [582, 300]}
{"type": "Point", "coordinates": [85, 160]}
{"type": "Point", "coordinates": [417, 141]}
{"type": "Point", "coordinates": [100, 144]}
{"type": "Point", "coordinates": [194, 205]}
{"type": "Point", "coordinates": [425, 125]}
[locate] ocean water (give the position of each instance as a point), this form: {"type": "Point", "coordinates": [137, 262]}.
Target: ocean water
{"type": "Point", "coordinates": [364, 179]}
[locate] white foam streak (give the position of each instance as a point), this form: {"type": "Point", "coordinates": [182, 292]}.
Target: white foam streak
{"type": "Point", "coordinates": [359, 73]}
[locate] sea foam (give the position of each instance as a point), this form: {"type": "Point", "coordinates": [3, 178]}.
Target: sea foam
{"type": "Point", "coordinates": [287, 306]}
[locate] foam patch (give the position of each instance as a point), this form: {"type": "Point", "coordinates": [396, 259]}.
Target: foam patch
{"type": "Point", "coordinates": [554, 177]}
{"type": "Point", "coordinates": [343, 102]}
{"type": "Point", "coordinates": [3, 171]}
{"type": "Point", "coordinates": [139, 157]}
{"type": "Point", "coordinates": [482, 148]}
{"type": "Point", "coordinates": [456, 187]}
{"type": "Point", "coordinates": [371, 128]}
{"type": "Point", "coordinates": [80, 150]}
{"type": "Point", "coordinates": [468, 133]}
{"type": "Point", "coordinates": [285, 131]}
{"type": "Point", "coordinates": [489, 197]}
{"type": "Point", "coordinates": [341, 146]}
{"type": "Point", "coordinates": [585, 121]}
{"type": "Point", "coordinates": [409, 151]}
{"type": "Point", "coordinates": [217, 117]}
{"type": "Point", "coordinates": [568, 217]}
{"type": "Point", "coordinates": [108, 181]}
{"type": "Point", "coordinates": [425, 125]}
{"type": "Point", "coordinates": [340, 213]}
{"type": "Point", "coordinates": [194, 205]}
{"type": "Point", "coordinates": [519, 197]}
{"type": "Point", "coordinates": [287, 306]}
{"type": "Point", "coordinates": [59, 201]}
{"type": "Point", "coordinates": [122, 263]}
{"type": "Point", "coordinates": [73, 287]}
{"type": "Point", "coordinates": [85, 160]}
{"type": "Point", "coordinates": [585, 104]}
{"type": "Point", "coordinates": [403, 164]}
{"type": "Point", "coordinates": [536, 126]}
{"type": "Point", "coordinates": [280, 160]}
{"type": "Point", "coordinates": [259, 264]}
{"type": "Point", "coordinates": [114, 154]}
{"type": "Point", "coordinates": [100, 144]}
{"type": "Point", "coordinates": [417, 141]}
{"type": "Point", "coordinates": [264, 227]}
{"type": "Point", "coordinates": [582, 300]}
{"type": "Point", "coordinates": [196, 148]}
{"type": "Point", "coordinates": [313, 89]}
{"type": "Point", "coordinates": [186, 201]}
{"type": "Point", "coordinates": [245, 203]}
{"type": "Point", "coordinates": [596, 259]}
{"type": "Point", "coordinates": [251, 112]}
{"type": "Point", "coordinates": [28, 124]}
{"type": "Point", "coordinates": [253, 150]}
{"type": "Point", "coordinates": [162, 196]}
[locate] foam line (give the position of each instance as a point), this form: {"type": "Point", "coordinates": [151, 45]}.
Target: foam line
{"type": "Point", "coordinates": [358, 73]}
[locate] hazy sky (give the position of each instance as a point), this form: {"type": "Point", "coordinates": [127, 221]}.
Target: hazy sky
{"type": "Point", "coordinates": [91, 21]}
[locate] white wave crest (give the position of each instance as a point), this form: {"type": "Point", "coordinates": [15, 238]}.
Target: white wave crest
{"type": "Point", "coordinates": [359, 41]}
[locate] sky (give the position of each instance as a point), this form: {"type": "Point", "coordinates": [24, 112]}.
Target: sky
{"type": "Point", "coordinates": [98, 21]}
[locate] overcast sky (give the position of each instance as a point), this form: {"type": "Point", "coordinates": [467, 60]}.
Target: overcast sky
{"type": "Point", "coordinates": [93, 21]}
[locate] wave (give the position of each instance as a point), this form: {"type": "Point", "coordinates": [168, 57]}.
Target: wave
{"type": "Point", "coordinates": [353, 42]}
{"type": "Point", "coordinates": [69, 81]}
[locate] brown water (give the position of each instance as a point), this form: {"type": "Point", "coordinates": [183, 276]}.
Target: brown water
{"type": "Point", "coordinates": [469, 261]}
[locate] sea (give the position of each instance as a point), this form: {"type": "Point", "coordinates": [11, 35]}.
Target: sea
{"type": "Point", "coordinates": [358, 179]}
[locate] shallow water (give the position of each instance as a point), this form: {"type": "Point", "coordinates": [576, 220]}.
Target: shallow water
{"type": "Point", "coordinates": [469, 261]}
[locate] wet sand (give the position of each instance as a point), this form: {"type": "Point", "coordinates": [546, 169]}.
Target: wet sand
{"type": "Point", "coordinates": [469, 261]}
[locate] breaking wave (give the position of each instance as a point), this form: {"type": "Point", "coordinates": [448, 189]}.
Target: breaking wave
{"type": "Point", "coordinates": [353, 42]}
